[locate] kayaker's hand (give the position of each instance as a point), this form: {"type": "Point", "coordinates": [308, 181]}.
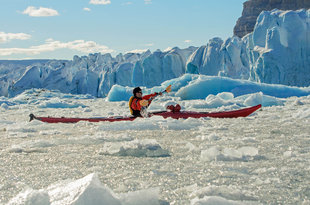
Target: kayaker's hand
{"type": "Point", "coordinates": [160, 93]}
{"type": "Point", "coordinates": [143, 103]}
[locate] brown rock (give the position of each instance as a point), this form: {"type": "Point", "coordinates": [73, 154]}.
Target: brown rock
{"type": "Point", "coordinates": [252, 8]}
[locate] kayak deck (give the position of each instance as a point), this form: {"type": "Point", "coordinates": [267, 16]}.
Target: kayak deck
{"type": "Point", "coordinates": [165, 114]}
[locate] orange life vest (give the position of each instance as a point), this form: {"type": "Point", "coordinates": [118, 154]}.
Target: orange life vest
{"type": "Point", "coordinates": [135, 113]}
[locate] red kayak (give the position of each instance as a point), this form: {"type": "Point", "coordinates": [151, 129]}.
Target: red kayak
{"type": "Point", "coordinates": [174, 112]}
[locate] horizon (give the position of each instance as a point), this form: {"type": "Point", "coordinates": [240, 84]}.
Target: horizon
{"type": "Point", "coordinates": [59, 30]}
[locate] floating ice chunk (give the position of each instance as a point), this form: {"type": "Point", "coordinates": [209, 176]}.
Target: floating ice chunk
{"type": "Point", "coordinates": [214, 200]}
{"type": "Point", "coordinates": [30, 146]}
{"type": "Point", "coordinates": [191, 147]}
{"type": "Point", "coordinates": [210, 137]}
{"type": "Point", "coordinates": [119, 93]}
{"type": "Point", "coordinates": [135, 148]}
{"type": "Point", "coordinates": [260, 98]}
{"type": "Point", "coordinates": [254, 99]}
{"type": "Point", "coordinates": [221, 195]}
{"type": "Point", "coordinates": [303, 113]}
{"type": "Point", "coordinates": [87, 190]}
{"type": "Point", "coordinates": [4, 106]}
{"type": "Point", "coordinates": [31, 197]}
{"type": "Point", "coordinates": [289, 154]}
{"type": "Point", "coordinates": [213, 136]}
{"type": "Point", "coordinates": [142, 197]}
{"type": "Point", "coordinates": [248, 151]}
{"type": "Point", "coordinates": [87, 110]}
{"type": "Point", "coordinates": [210, 154]}
{"type": "Point", "coordinates": [57, 103]}
{"type": "Point", "coordinates": [203, 86]}
{"type": "Point", "coordinates": [215, 101]}
{"type": "Point", "coordinates": [226, 95]}
{"type": "Point", "coordinates": [232, 153]}
{"type": "Point", "coordinates": [229, 154]}
{"type": "Point", "coordinates": [298, 102]}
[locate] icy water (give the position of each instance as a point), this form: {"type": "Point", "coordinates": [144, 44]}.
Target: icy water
{"type": "Point", "coordinates": [260, 159]}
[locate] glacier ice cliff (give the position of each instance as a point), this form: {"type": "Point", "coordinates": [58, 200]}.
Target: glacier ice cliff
{"type": "Point", "coordinates": [95, 74]}
{"type": "Point", "coordinates": [276, 52]}
{"type": "Point", "coordinates": [279, 48]}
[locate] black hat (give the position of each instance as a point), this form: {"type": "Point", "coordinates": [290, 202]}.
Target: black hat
{"type": "Point", "coordinates": [136, 90]}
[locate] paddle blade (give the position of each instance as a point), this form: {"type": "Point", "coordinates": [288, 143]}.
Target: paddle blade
{"type": "Point", "coordinates": [168, 89]}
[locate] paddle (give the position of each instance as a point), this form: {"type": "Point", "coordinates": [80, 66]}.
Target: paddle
{"type": "Point", "coordinates": [167, 90]}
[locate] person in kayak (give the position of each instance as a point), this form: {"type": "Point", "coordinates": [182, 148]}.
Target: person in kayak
{"type": "Point", "coordinates": [137, 102]}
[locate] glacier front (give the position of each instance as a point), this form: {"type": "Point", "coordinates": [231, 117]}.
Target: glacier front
{"type": "Point", "coordinates": [276, 52]}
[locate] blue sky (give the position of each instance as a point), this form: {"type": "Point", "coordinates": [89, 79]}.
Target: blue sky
{"type": "Point", "coordinates": [60, 29]}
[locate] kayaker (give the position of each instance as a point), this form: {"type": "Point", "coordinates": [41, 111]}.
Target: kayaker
{"type": "Point", "coordinates": [137, 101]}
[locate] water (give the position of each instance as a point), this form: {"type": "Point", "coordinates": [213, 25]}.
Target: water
{"type": "Point", "coordinates": [260, 159]}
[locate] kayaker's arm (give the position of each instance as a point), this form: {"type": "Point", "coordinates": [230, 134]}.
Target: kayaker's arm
{"type": "Point", "coordinates": [152, 96]}
{"type": "Point", "coordinates": [147, 99]}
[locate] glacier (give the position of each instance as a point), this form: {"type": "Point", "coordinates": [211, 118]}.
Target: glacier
{"type": "Point", "coordinates": [95, 74]}
{"type": "Point", "coordinates": [276, 52]}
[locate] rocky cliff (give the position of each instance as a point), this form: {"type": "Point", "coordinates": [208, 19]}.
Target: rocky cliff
{"type": "Point", "coordinates": [252, 8]}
